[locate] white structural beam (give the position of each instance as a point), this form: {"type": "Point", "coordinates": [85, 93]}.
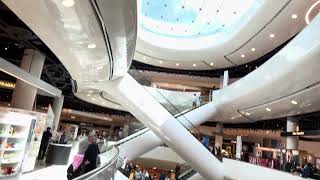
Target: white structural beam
{"type": "Point", "coordinates": [144, 107]}
{"type": "Point", "coordinates": [18, 73]}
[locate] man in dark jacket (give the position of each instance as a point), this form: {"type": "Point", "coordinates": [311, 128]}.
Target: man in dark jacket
{"type": "Point", "coordinates": [91, 154]}
{"type": "Point", "coordinates": [46, 136]}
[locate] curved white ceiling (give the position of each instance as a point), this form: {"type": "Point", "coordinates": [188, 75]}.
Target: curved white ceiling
{"type": "Point", "coordinates": [244, 38]}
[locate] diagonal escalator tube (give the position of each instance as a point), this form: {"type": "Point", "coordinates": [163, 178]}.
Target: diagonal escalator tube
{"type": "Point", "coordinates": [144, 107]}
{"type": "Point", "coordinates": [147, 140]}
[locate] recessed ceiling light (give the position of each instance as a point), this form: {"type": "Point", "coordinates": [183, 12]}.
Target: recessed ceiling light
{"type": "Point", "coordinates": [100, 80]}
{"type": "Point", "coordinates": [211, 64]}
{"type": "Point", "coordinates": [248, 114]}
{"type": "Point", "coordinates": [68, 3]}
{"type": "Point", "coordinates": [90, 91]}
{"type": "Point", "coordinates": [92, 46]}
{"type": "Point", "coordinates": [271, 35]}
{"type": "Point", "coordinates": [117, 106]}
{"type": "Point", "coordinates": [5, 48]}
{"type": "Point", "coordinates": [72, 117]}
{"type": "Point", "coordinates": [93, 99]}
{"type": "Point", "coordinates": [88, 95]}
{"type": "Point", "coordinates": [103, 103]}
{"type": "Point", "coordinates": [100, 67]}
{"type": "Point", "coordinates": [268, 109]}
{"type": "Point", "coordinates": [294, 16]}
{"type": "Point", "coordinates": [253, 49]}
{"type": "Point", "coordinates": [242, 55]}
{"type": "Point", "coordinates": [177, 64]}
{"type": "Point", "coordinates": [294, 102]}
{"type": "Point", "coordinates": [160, 62]}
{"type": "Point", "coordinates": [144, 58]}
{"type": "Point", "coordinates": [194, 65]}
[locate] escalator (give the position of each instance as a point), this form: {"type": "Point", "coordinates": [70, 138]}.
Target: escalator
{"type": "Point", "coordinates": [179, 104]}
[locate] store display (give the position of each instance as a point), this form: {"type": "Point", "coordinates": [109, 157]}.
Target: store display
{"type": "Point", "coordinates": [14, 132]}
{"type": "Point", "coordinates": [34, 144]}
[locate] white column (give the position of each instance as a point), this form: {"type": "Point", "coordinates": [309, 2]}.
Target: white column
{"type": "Point", "coordinates": [57, 108]}
{"type": "Point", "coordinates": [292, 125]}
{"type": "Point", "coordinates": [146, 109]}
{"type": "Point", "coordinates": [125, 130]}
{"type": "Point", "coordinates": [225, 78]}
{"type": "Point", "coordinates": [239, 147]}
{"type": "Point", "coordinates": [24, 94]}
{"type": "Point", "coordinates": [219, 137]}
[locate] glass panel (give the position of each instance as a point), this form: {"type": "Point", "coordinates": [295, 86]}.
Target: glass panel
{"type": "Point", "coordinates": [107, 169]}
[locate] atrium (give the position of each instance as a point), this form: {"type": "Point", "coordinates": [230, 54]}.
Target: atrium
{"type": "Point", "coordinates": [159, 90]}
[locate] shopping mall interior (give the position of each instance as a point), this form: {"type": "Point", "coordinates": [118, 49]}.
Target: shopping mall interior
{"type": "Point", "coordinates": [159, 90]}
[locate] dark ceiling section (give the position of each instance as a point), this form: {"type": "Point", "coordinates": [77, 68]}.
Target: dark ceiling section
{"type": "Point", "coordinates": [234, 72]}
{"type": "Point", "coordinates": [306, 122]}
{"type": "Point", "coordinates": [15, 36]}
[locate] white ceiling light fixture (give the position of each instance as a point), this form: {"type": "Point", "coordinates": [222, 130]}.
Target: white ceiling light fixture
{"type": "Point", "coordinates": [248, 114]}
{"type": "Point", "coordinates": [294, 16]}
{"type": "Point", "coordinates": [88, 95]}
{"type": "Point", "coordinates": [177, 64]}
{"type": "Point", "coordinates": [93, 99]}
{"type": "Point", "coordinates": [211, 64]}
{"type": "Point", "coordinates": [243, 56]}
{"type": "Point", "coordinates": [100, 80]}
{"type": "Point", "coordinates": [253, 49]}
{"type": "Point", "coordinates": [68, 3]}
{"type": "Point", "coordinates": [144, 58]}
{"type": "Point", "coordinates": [160, 62]}
{"type": "Point", "coordinates": [271, 35]}
{"type": "Point", "coordinates": [294, 102]}
{"type": "Point", "coordinates": [268, 109]}
{"type": "Point", "coordinates": [99, 68]}
{"type": "Point", "coordinates": [92, 46]}
{"type": "Point", "coordinates": [72, 117]}
{"type": "Point", "coordinates": [194, 65]}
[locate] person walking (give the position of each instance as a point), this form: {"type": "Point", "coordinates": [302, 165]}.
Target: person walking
{"type": "Point", "coordinates": [91, 154]}
{"type": "Point", "coordinates": [46, 136]}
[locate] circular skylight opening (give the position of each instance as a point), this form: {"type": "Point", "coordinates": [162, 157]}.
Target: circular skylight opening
{"type": "Point", "coordinates": [187, 20]}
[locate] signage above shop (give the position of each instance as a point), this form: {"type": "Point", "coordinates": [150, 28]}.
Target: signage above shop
{"type": "Point", "coordinates": [301, 133]}
{"type": "Point", "coordinates": [7, 85]}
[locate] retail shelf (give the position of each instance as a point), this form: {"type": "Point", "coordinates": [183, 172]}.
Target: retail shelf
{"type": "Point", "coordinates": [6, 161]}
{"type": "Point", "coordinates": [13, 149]}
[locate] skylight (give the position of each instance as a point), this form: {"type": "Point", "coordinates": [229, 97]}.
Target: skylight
{"type": "Point", "coordinates": [182, 20]}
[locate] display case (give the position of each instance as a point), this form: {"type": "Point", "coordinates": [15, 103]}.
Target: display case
{"type": "Point", "coordinates": [15, 130]}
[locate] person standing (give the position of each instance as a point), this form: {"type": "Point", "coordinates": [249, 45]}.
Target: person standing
{"type": "Point", "coordinates": [145, 175]}
{"type": "Point", "coordinates": [91, 154]}
{"type": "Point", "coordinates": [177, 171]}
{"type": "Point", "coordinates": [162, 176]}
{"type": "Point", "coordinates": [46, 136]}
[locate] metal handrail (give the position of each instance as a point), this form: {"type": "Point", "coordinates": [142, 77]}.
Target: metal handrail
{"type": "Point", "coordinates": [101, 168]}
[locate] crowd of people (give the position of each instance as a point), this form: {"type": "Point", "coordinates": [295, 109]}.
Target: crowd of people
{"type": "Point", "coordinates": [134, 172]}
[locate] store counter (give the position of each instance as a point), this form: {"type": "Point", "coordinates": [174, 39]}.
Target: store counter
{"type": "Point", "coordinates": [58, 154]}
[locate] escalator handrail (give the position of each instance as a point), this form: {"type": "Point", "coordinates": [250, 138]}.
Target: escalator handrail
{"type": "Point", "coordinates": [132, 136]}
{"type": "Point", "coordinates": [100, 168]}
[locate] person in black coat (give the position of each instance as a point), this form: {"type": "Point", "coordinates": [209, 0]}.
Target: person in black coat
{"type": "Point", "coordinates": [46, 136]}
{"type": "Point", "coordinates": [91, 154]}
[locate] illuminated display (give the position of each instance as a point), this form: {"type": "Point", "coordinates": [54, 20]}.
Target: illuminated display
{"type": "Point", "coordinates": [7, 85]}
